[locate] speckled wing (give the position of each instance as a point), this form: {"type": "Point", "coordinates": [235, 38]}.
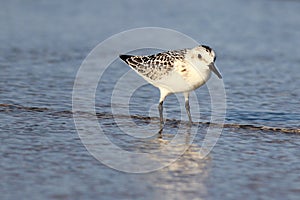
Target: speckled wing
{"type": "Point", "coordinates": [154, 67]}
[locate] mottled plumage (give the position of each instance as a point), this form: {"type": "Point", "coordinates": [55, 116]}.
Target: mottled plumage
{"type": "Point", "coordinates": [156, 66]}
{"type": "Point", "coordinates": [175, 71]}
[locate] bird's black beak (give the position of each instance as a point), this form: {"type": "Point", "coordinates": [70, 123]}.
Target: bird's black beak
{"type": "Point", "coordinates": [213, 68]}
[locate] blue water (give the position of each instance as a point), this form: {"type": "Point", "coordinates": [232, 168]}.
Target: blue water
{"type": "Point", "coordinates": [43, 45]}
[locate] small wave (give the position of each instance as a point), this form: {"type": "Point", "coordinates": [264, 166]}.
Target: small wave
{"type": "Point", "coordinates": [67, 113]}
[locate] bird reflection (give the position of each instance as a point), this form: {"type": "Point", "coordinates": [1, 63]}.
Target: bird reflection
{"type": "Point", "coordinates": [188, 172]}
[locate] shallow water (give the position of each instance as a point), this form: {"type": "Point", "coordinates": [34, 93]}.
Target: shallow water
{"type": "Point", "coordinates": [257, 155]}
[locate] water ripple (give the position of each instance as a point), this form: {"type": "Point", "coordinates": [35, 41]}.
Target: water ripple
{"type": "Point", "coordinates": [144, 119]}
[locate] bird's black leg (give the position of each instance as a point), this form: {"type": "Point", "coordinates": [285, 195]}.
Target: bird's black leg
{"type": "Point", "coordinates": [187, 107]}
{"type": "Point", "coordinates": [163, 94]}
{"type": "Point", "coordinates": [160, 109]}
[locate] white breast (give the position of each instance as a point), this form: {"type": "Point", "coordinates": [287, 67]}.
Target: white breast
{"type": "Point", "coordinates": [184, 77]}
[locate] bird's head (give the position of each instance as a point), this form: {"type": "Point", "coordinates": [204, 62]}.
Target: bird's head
{"type": "Point", "coordinates": [207, 57]}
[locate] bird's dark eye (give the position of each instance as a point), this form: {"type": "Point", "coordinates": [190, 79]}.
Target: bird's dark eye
{"type": "Point", "coordinates": [199, 56]}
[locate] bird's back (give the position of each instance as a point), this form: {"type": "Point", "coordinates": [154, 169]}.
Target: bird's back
{"type": "Point", "coordinates": [154, 67]}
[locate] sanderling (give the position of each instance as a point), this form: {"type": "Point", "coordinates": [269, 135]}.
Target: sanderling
{"type": "Point", "coordinates": [178, 71]}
